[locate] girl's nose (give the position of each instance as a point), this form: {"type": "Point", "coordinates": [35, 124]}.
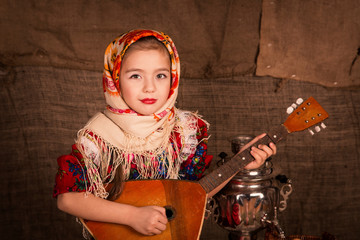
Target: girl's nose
{"type": "Point", "coordinates": [149, 85]}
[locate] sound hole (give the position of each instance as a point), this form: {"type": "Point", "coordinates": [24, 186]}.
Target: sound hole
{"type": "Point", "coordinates": [170, 212]}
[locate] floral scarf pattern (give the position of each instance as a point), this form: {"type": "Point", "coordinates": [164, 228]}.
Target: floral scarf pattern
{"type": "Point", "coordinates": [126, 137]}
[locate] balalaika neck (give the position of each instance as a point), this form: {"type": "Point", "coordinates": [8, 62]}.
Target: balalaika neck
{"type": "Point", "coordinates": [210, 181]}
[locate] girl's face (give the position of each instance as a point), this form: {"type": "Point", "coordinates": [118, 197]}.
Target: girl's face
{"type": "Point", "coordinates": [145, 80]}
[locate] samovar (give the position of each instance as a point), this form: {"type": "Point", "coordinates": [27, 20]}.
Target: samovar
{"type": "Point", "coordinates": [251, 200]}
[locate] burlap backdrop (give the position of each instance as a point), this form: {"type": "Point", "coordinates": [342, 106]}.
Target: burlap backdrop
{"type": "Point", "coordinates": [51, 61]}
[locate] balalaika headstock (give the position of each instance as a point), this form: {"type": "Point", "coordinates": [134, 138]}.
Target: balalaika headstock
{"type": "Point", "coordinates": [303, 115]}
{"type": "Point", "coordinates": [307, 114]}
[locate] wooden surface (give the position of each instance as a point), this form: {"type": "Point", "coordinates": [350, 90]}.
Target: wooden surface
{"type": "Point", "coordinates": [188, 199]}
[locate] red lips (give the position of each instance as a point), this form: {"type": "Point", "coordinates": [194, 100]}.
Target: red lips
{"type": "Point", "coordinates": [148, 100]}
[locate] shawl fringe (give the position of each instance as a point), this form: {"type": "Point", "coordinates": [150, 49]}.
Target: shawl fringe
{"type": "Point", "coordinates": [162, 162]}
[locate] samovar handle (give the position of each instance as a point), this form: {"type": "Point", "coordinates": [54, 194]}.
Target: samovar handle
{"type": "Point", "coordinates": [212, 210]}
{"type": "Point", "coordinates": [285, 191]}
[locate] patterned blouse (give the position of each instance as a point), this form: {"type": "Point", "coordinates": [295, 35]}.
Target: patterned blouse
{"type": "Point", "coordinates": [72, 177]}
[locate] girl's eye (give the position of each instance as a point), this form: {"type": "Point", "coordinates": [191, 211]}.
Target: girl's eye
{"type": "Point", "coordinates": [161, 76]}
{"type": "Point", "coordinates": [135, 76]}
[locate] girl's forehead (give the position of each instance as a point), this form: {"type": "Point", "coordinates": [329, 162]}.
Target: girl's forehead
{"type": "Point", "coordinates": [145, 52]}
{"type": "Point", "coordinates": [146, 60]}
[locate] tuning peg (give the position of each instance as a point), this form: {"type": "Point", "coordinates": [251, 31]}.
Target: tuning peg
{"type": "Point", "coordinates": [317, 129]}
{"type": "Point", "coordinates": [289, 110]}
{"type": "Point", "coordinates": [323, 125]}
{"type": "Point", "coordinates": [299, 101]}
{"type": "Point", "coordinates": [311, 131]}
{"type": "Point", "coordinates": [293, 106]}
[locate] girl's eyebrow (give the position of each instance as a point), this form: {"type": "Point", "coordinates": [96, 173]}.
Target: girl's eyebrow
{"type": "Point", "coordinates": [163, 69]}
{"type": "Point", "coordinates": [133, 70]}
{"type": "Point", "coordinates": [141, 70]}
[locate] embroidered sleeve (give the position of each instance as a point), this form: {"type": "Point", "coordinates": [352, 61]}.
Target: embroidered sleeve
{"type": "Point", "coordinates": [196, 164]}
{"type": "Point", "coordinates": [71, 175]}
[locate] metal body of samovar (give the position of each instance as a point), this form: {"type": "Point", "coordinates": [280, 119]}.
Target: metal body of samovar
{"type": "Point", "coordinates": [251, 200]}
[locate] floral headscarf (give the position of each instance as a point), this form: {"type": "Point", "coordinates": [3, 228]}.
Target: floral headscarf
{"type": "Point", "coordinates": [117, 109]}
{"type": "Point", "coordinates": [124, 136]}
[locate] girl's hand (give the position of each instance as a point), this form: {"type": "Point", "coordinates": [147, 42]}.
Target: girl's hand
{"type": "Point", "coordinates": [148, 220]}
{"type": "Point", "coordinates": [261, 153]}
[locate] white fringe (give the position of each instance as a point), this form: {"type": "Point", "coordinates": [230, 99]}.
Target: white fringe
{"type": "Point", "coordinates": [150, 164]}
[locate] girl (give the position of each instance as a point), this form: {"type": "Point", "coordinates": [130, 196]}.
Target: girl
{"type": "Point", "coordinates": [140, 135]}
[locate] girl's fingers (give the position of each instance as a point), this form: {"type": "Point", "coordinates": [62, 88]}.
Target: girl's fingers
{"type": "Point", "coordinates": [161, 227]}
{"type": "Point", "coordinates": [259, 153]}
{"type": "Point", "coordinates": [162, 218]}
{"type": "Point", "coordinates": [273, 147]}
{"type": "Point", "coordinates": [267, 151]}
